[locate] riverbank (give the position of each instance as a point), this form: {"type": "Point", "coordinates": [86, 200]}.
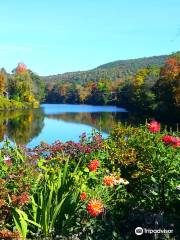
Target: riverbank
{"type": "Point", "coordinates": [10, 104]}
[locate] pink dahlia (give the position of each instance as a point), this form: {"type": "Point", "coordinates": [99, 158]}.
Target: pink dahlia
{"type": "Point", "coordinates": [154, 126]}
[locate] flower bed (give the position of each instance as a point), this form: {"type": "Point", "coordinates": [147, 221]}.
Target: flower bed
{"type": "Point", "coordinates": [94, 189]}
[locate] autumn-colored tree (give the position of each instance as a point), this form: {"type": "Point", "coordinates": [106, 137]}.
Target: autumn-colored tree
{"type": "Point", "coordinates": [3, 81]}
{"type": "Point", "coordinates": [21, 68]}
{"type": "Point", "coordinates": [168, 88]}
{"type": "Point", "coordinates": [21, 85]}
{"type": "Point", "coordinates": [140, 77]}
{"type": "Point", "coordinates": [169, 83]}
{"type": "Point", "coordinates": [171, 69]}
{"type": "Point", "coordinates": [83, 92]}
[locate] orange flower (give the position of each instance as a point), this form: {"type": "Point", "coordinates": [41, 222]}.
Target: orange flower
{"type": "Point", "coordinates": [95, 207]}
{"type": "Point", "coordinates": [2, 203]}
{"type": "Point", "coordinates": [109, 180]}
{"type": "Point", "coordinates": [83, 196]}
{"type": "Point", "coordinates": [93, 165]}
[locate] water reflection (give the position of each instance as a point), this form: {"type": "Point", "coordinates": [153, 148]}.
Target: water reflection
{"type": "Point", "coordinates": [56, 121]}
{"type": "Point", "coordinates": [21, 126]}
{"type": "Point", "coordinates": [103, 121]}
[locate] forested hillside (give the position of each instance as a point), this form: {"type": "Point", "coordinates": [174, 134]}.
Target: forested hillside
{"type": "Point", "coordinates": [122, 69]}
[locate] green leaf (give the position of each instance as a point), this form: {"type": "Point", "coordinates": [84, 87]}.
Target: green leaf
{"type": "Point", "coordinates": [153, 179]}
{"type": "Point", "coordinates": [86, 169]}
{"type": "Point", "coordinates": [20, 222]}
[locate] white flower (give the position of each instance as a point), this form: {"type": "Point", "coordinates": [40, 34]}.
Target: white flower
{"type": "Point", "coordinates": [7, 158]}
{"type": "Point", "coordinates": [121, 181]}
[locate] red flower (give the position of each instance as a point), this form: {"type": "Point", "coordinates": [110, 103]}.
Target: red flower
{"type": "Point", "coordinates": [167, 139]}
{"type": "Point", "coordinates": [109, 180]}
{"type": "Point", "coordinates": [154, 126]}
{"type": "Point", "coordinates": [93, 165]}
{"type": "Point", "coordinates": [176, 142]}
{"type": "Point", "coordinates": [83, 196]}
{"type": "Point", "coordinates": [170, 140]}
{"type": "Point", "coordinates": [95, 207]}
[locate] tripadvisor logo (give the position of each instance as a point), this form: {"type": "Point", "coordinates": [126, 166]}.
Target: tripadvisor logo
{"type": "Point", "coordinates": [140, 231]}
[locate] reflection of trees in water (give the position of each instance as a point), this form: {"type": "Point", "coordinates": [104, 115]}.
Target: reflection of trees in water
{"type": "Point", "coordinates": [100, 120]}
{"type": "Point", "coordinates": [4, 117]}
{"type": "Point", "coordinates": [21, 126]}
{"type": "Point", "coordinates": [2, 131]}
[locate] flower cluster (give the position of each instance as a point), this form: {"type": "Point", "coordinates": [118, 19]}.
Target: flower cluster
{"type": "Point", "coordinates": [112, 180]}
{"type": "Point", "coordinates": [154, 127]}
{"type": "Point", "coordinates": [172, 141]}
{"type": "Point", "coordinates": [94, 206]}
{"type": "Point", "coordinates": [71, 148]}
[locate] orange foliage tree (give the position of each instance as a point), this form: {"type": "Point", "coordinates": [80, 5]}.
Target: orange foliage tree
{"type": "Point", "coordinates": [170, 79]}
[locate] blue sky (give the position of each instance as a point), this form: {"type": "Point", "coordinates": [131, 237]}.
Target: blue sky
{"type": "Point", "coordinates": [56, 36]}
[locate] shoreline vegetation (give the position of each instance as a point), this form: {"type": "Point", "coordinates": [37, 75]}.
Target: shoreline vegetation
{"type": "Point", "coordinates": [12, 105]}
{"type": "Point", "coordinates": [92, 189]}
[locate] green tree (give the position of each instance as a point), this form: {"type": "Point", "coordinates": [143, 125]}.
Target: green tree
{"type": "Point", "coordinates": [38, 88]}
{"type": "Point", "coordinates": [21, 85]}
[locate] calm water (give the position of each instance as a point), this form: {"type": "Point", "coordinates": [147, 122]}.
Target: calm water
{"type": "Point", "coordinates": [53, 122]}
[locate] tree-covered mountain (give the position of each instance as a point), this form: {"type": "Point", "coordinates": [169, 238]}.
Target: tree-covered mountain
{"type": "Point", "coordinates": [122, 70]}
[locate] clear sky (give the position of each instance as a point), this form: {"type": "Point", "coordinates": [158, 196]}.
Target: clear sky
{"type": "Point", "coordinates": [56, 36]}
